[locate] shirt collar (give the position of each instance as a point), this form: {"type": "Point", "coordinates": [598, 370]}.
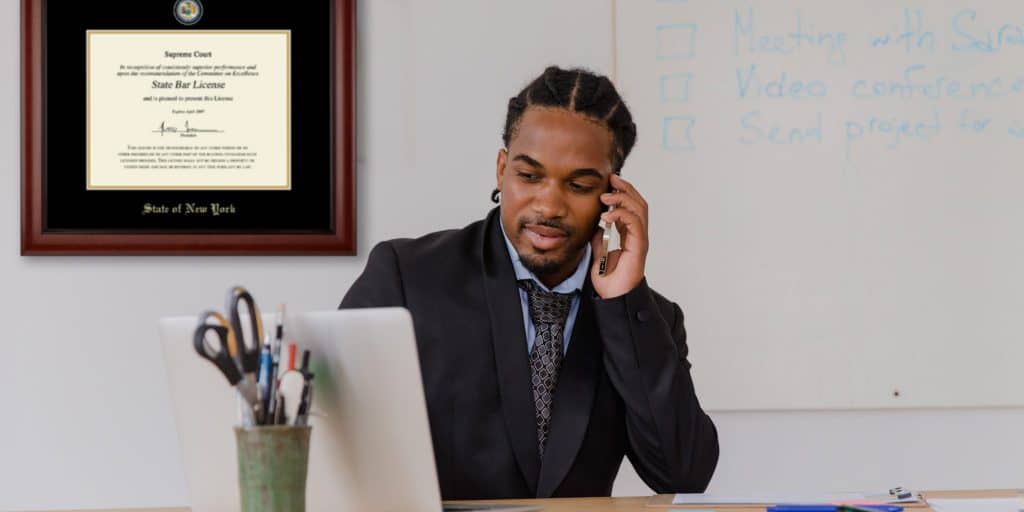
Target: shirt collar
{"type": "Point", "coordinates": [573, 283]}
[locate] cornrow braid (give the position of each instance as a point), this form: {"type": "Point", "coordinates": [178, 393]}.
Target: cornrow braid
{"type": "Point", "coordinates": [582, 91]}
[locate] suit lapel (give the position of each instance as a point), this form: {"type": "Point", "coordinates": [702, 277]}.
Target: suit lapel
{"type": "Point", "coordinates": [574, 398]}
{"type": "Point", "coordinates": [510, 353]}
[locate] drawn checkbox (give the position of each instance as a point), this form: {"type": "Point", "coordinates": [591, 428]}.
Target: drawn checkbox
{"type": "Point", "coordinates": [677, 133]}
{"type": "Point", "coordinates": [676, 88]}
{"type": "Point", "coordinates": [677, 41]}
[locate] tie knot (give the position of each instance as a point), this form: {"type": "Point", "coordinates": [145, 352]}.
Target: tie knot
{"type": "Point", "coordinates": [546, 307]}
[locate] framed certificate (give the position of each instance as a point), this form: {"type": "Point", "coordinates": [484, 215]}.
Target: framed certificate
{"type": "Point", "coordinates": [188, 127]}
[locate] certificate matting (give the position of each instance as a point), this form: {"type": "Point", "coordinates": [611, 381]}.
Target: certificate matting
{"type": "Point", "coordinates": [195, 110]}
{"type": "Point", "coordinates": [310, 212]}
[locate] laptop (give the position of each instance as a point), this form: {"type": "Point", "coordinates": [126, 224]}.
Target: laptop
{"type": "Point", "coordinates": [370, 447]}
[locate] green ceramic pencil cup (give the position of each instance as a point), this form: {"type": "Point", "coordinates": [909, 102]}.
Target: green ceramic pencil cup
{"type": "Point", "coordinates": [272, 464]}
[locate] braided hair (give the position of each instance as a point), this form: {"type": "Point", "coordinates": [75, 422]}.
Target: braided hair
{"type": "Point", "coordinates": [581, 91]}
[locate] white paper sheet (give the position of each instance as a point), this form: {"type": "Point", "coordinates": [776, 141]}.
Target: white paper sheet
{"type": "Point", "coordinates": [711, 498]}
{"type": "Point", "coordinates": [757, 499]}
{"type": "Point", "coordinates": [975, 505]}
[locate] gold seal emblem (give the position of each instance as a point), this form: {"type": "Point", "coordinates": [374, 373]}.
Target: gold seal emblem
{"type": "Point", "coordinates": [188, 12]}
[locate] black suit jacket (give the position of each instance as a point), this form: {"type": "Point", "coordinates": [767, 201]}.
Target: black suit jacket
{"type": "Point", "coordinates": [624, 387]}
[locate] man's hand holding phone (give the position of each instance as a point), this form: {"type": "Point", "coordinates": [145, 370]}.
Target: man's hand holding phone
{"type": "Point", "coordinates": [624, 267]}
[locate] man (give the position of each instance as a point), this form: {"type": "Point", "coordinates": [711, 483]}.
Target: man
{"type": "Point", "coordinates": [540, 372]}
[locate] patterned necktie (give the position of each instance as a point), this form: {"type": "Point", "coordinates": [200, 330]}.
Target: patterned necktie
{"type": "Point", "coordinates": [549, 311]}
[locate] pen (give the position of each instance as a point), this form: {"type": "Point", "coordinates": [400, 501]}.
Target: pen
{"type": "Point", "coordinates": [307, 391]}
{"type": "Point", "coordinates": [802, 508]}
{"type": "Point", "coordinates": [291, 357]}
{"type": "Point", "coordinates": [278, 418]}
{"type": "Point", "coordinates": [279, 324]}
{"type": "Point", "coordinates": [266, 369]}
{"type": "Point", "coordinates": [275, 357]}
{"type": "Point", "coordinates": [307, 402]}
{"type": "Point", "coordinates": [870, 508]}
{"type": "Point", "coordinates": [835, 508]}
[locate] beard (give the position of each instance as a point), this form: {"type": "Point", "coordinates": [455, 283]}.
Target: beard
{"type": "Point", "coordinates": [540, 265]}
{"type": "Point", "coordinates": [547, 264]}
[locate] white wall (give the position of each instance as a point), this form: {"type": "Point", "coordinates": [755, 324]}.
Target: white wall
{"type": "Point", "coordinates": [86, 419]}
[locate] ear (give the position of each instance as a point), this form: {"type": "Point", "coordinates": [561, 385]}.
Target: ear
{"type": "Point", "coordinates": [500, 167]}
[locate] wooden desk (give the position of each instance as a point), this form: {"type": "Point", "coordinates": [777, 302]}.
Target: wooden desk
{"type": "Point", "coordinates": [640, 504]}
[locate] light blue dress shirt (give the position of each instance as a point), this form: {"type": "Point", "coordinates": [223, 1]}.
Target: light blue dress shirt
{"type": "Point", "coordinates": [573, 284]}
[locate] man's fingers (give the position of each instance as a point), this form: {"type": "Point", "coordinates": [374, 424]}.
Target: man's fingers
{"type": "Point", "coordinates": [632, 233]}
{"type": "Point", "coordinates": [622, 200]}
{"type": "Point", "coordinates": [623, 218]}
{"type": "Point", "coordinates": [626, 187]}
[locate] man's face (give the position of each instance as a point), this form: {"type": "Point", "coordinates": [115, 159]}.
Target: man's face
{"type": "Point", "coordinates": [551, 178]}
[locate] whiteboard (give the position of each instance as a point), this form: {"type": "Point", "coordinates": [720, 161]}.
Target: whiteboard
{"type": "Point", "coordinates": [836, 195]}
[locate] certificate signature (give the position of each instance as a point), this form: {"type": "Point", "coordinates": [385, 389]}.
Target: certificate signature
{"type": "Point", "coordinates": [166, 128]}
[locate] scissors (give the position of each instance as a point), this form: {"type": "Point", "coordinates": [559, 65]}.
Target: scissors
{"type": "Point", "coordinates": [246, 351]}
{"type": "Point", "coordinates": [220, 356]}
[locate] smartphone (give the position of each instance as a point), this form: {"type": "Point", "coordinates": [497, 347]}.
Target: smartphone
{"type": "Point", "coordinates": [606, 236]}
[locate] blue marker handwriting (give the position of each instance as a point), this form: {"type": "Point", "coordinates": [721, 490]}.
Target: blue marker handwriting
{"type": "Point", "coordinates": [749, 39]}
{"type": "Point", "coordinates": [973, 124]}
{"type": "Point", "coordinates": [757, 130]}
{"type": "Point", "coordinates": [912, 35]}
{"type": "Point", "coordinates": [893, 131]}
{"type": "Point", "coordinates": [751, 85]}
{"type": "Point", "coordinates": [970, 36]}
{"type": "Point", "coordinates": [919, 82]}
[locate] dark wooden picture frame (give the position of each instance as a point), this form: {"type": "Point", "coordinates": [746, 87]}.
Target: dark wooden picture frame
{"type": "Point", "coordinates": [268, 233]}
